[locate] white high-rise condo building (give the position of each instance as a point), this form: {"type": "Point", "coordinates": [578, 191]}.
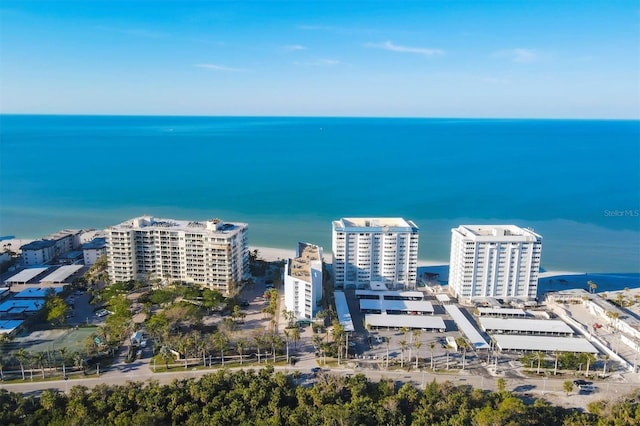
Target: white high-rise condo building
{"type": "Point", "coordinates": [303, 281]}
{"type": "Point", "coordinates": [375, 252]}
{"type": "Point", "coordinates": [212, 253]}
{"type": "Point", "coordinates": [494, 261]}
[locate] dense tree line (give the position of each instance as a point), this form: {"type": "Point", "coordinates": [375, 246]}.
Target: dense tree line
{"type": "Point", "coordinates": [268, 398]}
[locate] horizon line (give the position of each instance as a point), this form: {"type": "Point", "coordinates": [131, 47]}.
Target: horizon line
{"type": "Point", "coordinates": [413, 117]}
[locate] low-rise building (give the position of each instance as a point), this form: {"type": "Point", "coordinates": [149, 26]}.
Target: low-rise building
{"type": "Point", "coordinates": [93, 250]}
{"type": "Point", "coordinates": [38, 252]}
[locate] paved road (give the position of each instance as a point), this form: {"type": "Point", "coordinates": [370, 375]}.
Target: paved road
{"type": "Point", "coordinates": [550, 389]}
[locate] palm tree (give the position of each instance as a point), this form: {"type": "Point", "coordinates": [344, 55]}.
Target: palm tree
{"type": "Point", "coordinates": [221, 341]}
{"type": "Point", "coordinates": [78, 360]}
{"type": "Point", "coordinates": [203, 347]}
{"type": "Point", "coordinates": [387, 341]}
{"type": "Point", "coordinates": [462, 344]}
{"type": "Point", "coordinates": [183, 347]}
{"type": "Point", "coordinates": [403, 346]}
{"type": "Point", "coordinates": [241, 344]}
{"type": "Point", "coordinates": [259, 341]}
{"type": "Point", "coordinates": [555, 368]}
{"type": "Point", "coordinates": [418, 345]}
{"type": "Point", "coordinates": [1, 367]}
{"type": "Point", "coordinates": [165, 353]}
{"type": "Point", "coordinates": [39, 358]}
{"type": "Point", "coordinates": [295, 335]}
{"type": "Point", "coordinates": [63, 353]}
{"type": "Point", "coordinates": [277, 343]}
{"type": "Point", "coordinates": [286, 338]}
{"type": "Point", "coordinates": [589, 358]}
{"type": "Point", "coordinates": [432, 346]}
{"type": "Point", "coordinates": [21, 356]}
{"type": "Point", "coordinates": [604, 368]}
{"type": "Point", "coordinates": [540, 358]}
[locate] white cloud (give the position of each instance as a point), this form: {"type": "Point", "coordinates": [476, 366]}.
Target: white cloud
{"type": "Point", "coordinates": [294, 47]}
{"type": "Point", "coordinates": [519, 55]}
{"type": "Point", "coordinates": [387, 45]}
{"type": "Point", "coordinates": [319, 63]}
{"type": "Point", "coordinates": [219, 68]}
{"type": "Point", "coordinates": [315, 28]}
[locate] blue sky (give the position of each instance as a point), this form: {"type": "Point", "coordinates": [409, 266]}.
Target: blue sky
{"type": "Point", "coordinates": [531, 59]}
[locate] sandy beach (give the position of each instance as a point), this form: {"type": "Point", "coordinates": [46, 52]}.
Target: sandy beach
{"type": "Point", "coordinates": [549, 280]}
{"type": "Point", "coordinates": [273, 254]}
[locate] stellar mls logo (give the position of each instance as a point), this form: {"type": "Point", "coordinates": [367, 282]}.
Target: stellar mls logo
{"type": "Point", "coordinates": [622, 213]}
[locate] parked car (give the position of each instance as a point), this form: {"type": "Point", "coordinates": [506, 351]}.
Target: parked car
{"type": "Point", "coordinates": [102, 313]}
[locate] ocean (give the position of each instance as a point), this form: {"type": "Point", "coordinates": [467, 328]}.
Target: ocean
{"type": "Point", "coordinates": [576, 182]}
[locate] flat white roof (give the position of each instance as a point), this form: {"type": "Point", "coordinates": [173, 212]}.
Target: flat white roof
{"type": "Point", "coordinates": [396, 305]}
{"type": "Point", "coordinates": [497, 233]}
{"type": "Point", "coordinates": [502, 311]}
{"type": "Point", "coordinates": [410, 321]}
{"type": "Point", "coordinates": [443, 298]}
{"type": "Point", "coordinates": [342, 308]}
{"type": "Point", "coordinates": [543, 343]}
{"type": "Point", "coordinates": [61, 274]}
{"type": "Point", "coordinates": [469, 330]}
{"type": "Point", "coordinates": [392, 293]}
{"type": "Point", "coordinates": [25, 275]}
{"type": "Point", "coordinates": [191, 226]}
{"type": "Point", "coordinates": [375, 221]}
{"type": "Point", "coordinates": [525, 325]}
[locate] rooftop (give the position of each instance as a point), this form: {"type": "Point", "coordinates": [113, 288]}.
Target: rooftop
{"type": "Point", "coordinates": [21, 306]}
{"type": "Point", "coordinates": [427, 322]}
{"type": "Point", "coordinates": [497, 232]}
{"type": "Point", "coordinates": [7, 326]}
{"type": "Point", "coordinates": [390, 306]}
{"type": "Point", "coordinates": [543, 343]}
{"type": "Point", "coordinates": [37, 293]}
{"type": "Point", "coordinates": [342, 308]}
{"type": "Point", "coordinates": [25, 275]}
{"type": "Point", "coordinates": [520, 325]}
{"type": "Point", "coordinates": [374, 222]}
{"type": "Point", "coordinates": [38, 245]}
{"type": "Point", "coordinates": [95, 244]}
{"type": "Point", "coordinates": [61, 274]}
{"type": "Point", "coordinates": [469, 330]}
{"type": "Point", "coordinates": [192, 226]}
{"type": "Point", "coordinates": [301, 265]}
{"type": "Point", "coordinates": [64, 233]}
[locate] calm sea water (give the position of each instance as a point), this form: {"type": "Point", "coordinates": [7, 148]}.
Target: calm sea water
{"type": "Point", "coordinates": [575, 182]}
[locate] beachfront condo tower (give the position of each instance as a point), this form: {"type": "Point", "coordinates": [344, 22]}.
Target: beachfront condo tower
{"type": "Point", "coordinates": [488, 261]}
{"type": "Point", "coordinates": [212, 253]}
{"type": "Point", "coordinates": [303, 282]}
{"type": "Point", "coordinates": [375, 253]}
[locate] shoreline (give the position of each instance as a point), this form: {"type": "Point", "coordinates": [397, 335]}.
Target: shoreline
{"type": "Point", "coordinates": [274, 254]}
{"type": "Point", "coordinates": [549, 280]}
